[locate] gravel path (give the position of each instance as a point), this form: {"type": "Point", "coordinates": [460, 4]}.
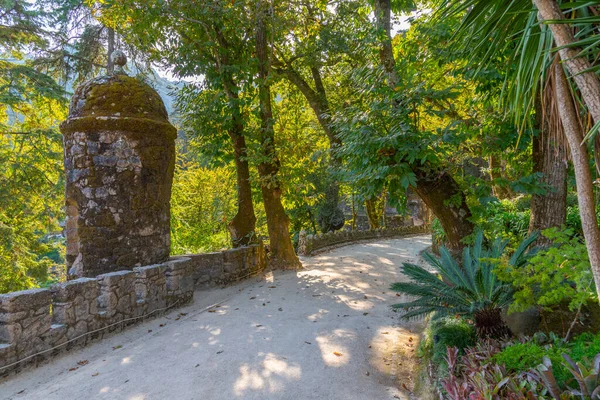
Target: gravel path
{"type": "Point", "coordinates": [325, 332]}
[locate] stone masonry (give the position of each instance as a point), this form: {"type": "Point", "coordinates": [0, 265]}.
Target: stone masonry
{"type": "Point", "coordinates": [40, 323]}
{"type": "Point", "coordinates": [307, 244]}
{"type": "Point", "coordinates": [119, 163]}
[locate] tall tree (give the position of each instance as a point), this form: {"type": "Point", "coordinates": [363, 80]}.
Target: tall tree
{"type": "Point", "coordinates": [282, 254]}
{"type": "Point", "coordinates": [322, 32]}
{"type": "Point", "coordinates": [438, 189]}
{"type": "Point", "coordinates": [580, 157]}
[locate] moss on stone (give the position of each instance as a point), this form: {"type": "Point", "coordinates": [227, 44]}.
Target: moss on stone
{"type": "Point", "coordinates": [117, 95]}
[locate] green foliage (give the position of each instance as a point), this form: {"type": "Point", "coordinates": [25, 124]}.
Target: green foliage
{"type": "Point", "coordinates": [554, 275]}
{"type": "Point", "coordinates": [450, 332]}
{"type": "Point", "coordinates": [504, 220]}
{"type": "Point", "coordinates": [202, 203]}
{"type": "Point", "coordinates": [522, 357]}
{"type": "Point", "coordinates": [465, 289]}
{"type": "Point", "coordinates": [31, 180]}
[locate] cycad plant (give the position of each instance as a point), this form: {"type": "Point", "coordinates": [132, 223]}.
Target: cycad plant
{"type": "Point", "coordinates": [470, 288]}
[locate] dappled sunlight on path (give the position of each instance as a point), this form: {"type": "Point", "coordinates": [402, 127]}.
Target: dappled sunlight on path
{"type": "Point", "coordinates": [324, 332]}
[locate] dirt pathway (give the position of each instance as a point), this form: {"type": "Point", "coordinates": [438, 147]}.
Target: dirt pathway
{"type": "Point", "coordinates": [326, 332]}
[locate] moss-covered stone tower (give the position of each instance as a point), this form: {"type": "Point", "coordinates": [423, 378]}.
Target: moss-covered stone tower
{"type": "Point", "coordinates": [119, 162]}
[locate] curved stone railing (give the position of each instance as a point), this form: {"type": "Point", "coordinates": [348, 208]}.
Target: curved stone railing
{"type": "Point", "coordinates": [307, 244]}
{"type": "Point", "coordinates": [40, 323]}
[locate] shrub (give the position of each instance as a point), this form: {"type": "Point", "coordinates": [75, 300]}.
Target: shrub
{"type": "Point", "coordinates": [552, 276]}
{"type": "Point", "coordinates": [469, 289]}
{"type": "Point", "coordinates": [451, 332]}
{"type": "Point", "coordinates": [522, 357]}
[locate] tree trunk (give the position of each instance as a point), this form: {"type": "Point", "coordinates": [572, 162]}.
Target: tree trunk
{"type": "Point", "coordinates": [110, 66]}
{"type": "Point", "coordinates": [386, 54]}
{"type": "Point", "coordinates": [437, 189]}
{"type": "Point", "coordinates": [373, 215]}
{"type": "Point", "coordinates": [583, 175]}
{"type": "Point", "coordinates": [242, 226]}
{"type": "Point", "coordinates": [549, 159]}
{"type": "Point", "coordinates": [579, 67]}
{"type": "Point", "coordinates": [282, 255]}
{"type": "Point", "coordinates": [444, 197]}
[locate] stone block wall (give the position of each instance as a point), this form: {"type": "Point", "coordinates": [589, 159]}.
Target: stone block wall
{"type": "Point", "coordinates": [307, 244]}
{"type": "Point", "coordinates": [226, 267]}
{"type": "Point", "coordinates": [76, 312]}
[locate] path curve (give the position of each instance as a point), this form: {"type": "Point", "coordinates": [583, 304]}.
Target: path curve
{"type": "Point", "coordinates": [325, 332]}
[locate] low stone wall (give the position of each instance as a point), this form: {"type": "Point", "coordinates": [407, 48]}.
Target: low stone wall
{"type": "Point", "coordinates": [307, 244]}
{"type": "Point", "coordinates": [40, 323]}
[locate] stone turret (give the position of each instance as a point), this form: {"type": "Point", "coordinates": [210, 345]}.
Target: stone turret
{"type": "Point", "coordinates": [119, 162]}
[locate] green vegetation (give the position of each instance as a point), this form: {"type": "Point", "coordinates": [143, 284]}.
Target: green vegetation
{"type": "Point", "coordinates": [469, 289]}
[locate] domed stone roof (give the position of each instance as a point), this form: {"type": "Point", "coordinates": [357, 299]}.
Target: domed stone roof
{"type": "Point", "coordinates": [113, 102]}
{"type": "Point", "coordinates": [118, 96]}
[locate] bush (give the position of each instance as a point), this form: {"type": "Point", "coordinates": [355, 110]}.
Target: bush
{"type": "Point", "coordinates": [523, 357]}
{"type": "Point", "coordinates": [558, 274]}
{"type": "Point", "coordinates": [442, 333]}
{"type": "Point", "coordinates": [451, 332]}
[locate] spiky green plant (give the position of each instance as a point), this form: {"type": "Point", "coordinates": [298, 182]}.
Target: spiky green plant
{"type": "Point", "coordinates": [470, 288]}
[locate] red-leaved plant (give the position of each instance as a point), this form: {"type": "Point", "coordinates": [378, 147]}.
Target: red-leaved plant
{"type": "Point", "coordinates": [475, 377]}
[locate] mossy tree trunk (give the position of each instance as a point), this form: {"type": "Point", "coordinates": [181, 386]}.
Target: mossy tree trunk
{"type": "Point", "coordinates": [242, 226]}
{"type": "Point", "coordinates": [282, 254]}
{"type": "Point", "coordinates": [372, 213]}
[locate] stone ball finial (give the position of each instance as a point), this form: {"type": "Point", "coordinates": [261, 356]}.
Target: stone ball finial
{"type": "Point", "coordinates": [119, 59]}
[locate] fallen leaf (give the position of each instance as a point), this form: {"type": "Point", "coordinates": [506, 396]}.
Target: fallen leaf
{"type": "Point", "coordinates": [149, 330]}
{"type": "Point", "coordinates": [307, 342]}
{"type": "Point", "coordinates": [183, 313]}
{"type": "Point", "coordinates": [220, 351]}
{"type": "Point", "coordinates": [197, 365]}
{"type": "Point", "coordinates": [385, 333]}
{"type": "Point", "coordinates": [21, 391]}
{"type": "Point", "coordinates": [365, 313]}
{"type": "Point", "coordinates": [337, 353]}
{"type": "Point", "coordinates": [161, 325]}
{"type": "Point", "coordinates": [83, 362]}
{"type": "Point", "coordinates": [280, 309]}
{"type": "Point", "coordinates": [117, 347]}
{"type": "Point", "coordinates": [410, 339]}
{"type": "Point", "coordinates": [73, 369]}
{"type": "Point", "coordinates": [258, 326]}
{"type": "Point", "coordinates": [272, 287]}
{"type": "Point", "coordinates": [213, 311]}
{"type": "Point", "coordinates": [404, 386]}
{"type": "Point", "coordinates": [252, 298]}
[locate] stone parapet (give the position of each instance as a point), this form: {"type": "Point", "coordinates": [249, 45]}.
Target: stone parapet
{"type": "Point", "coordinates": [307, 244]}
{"type": "Point", "coordinates": [40, 323]}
